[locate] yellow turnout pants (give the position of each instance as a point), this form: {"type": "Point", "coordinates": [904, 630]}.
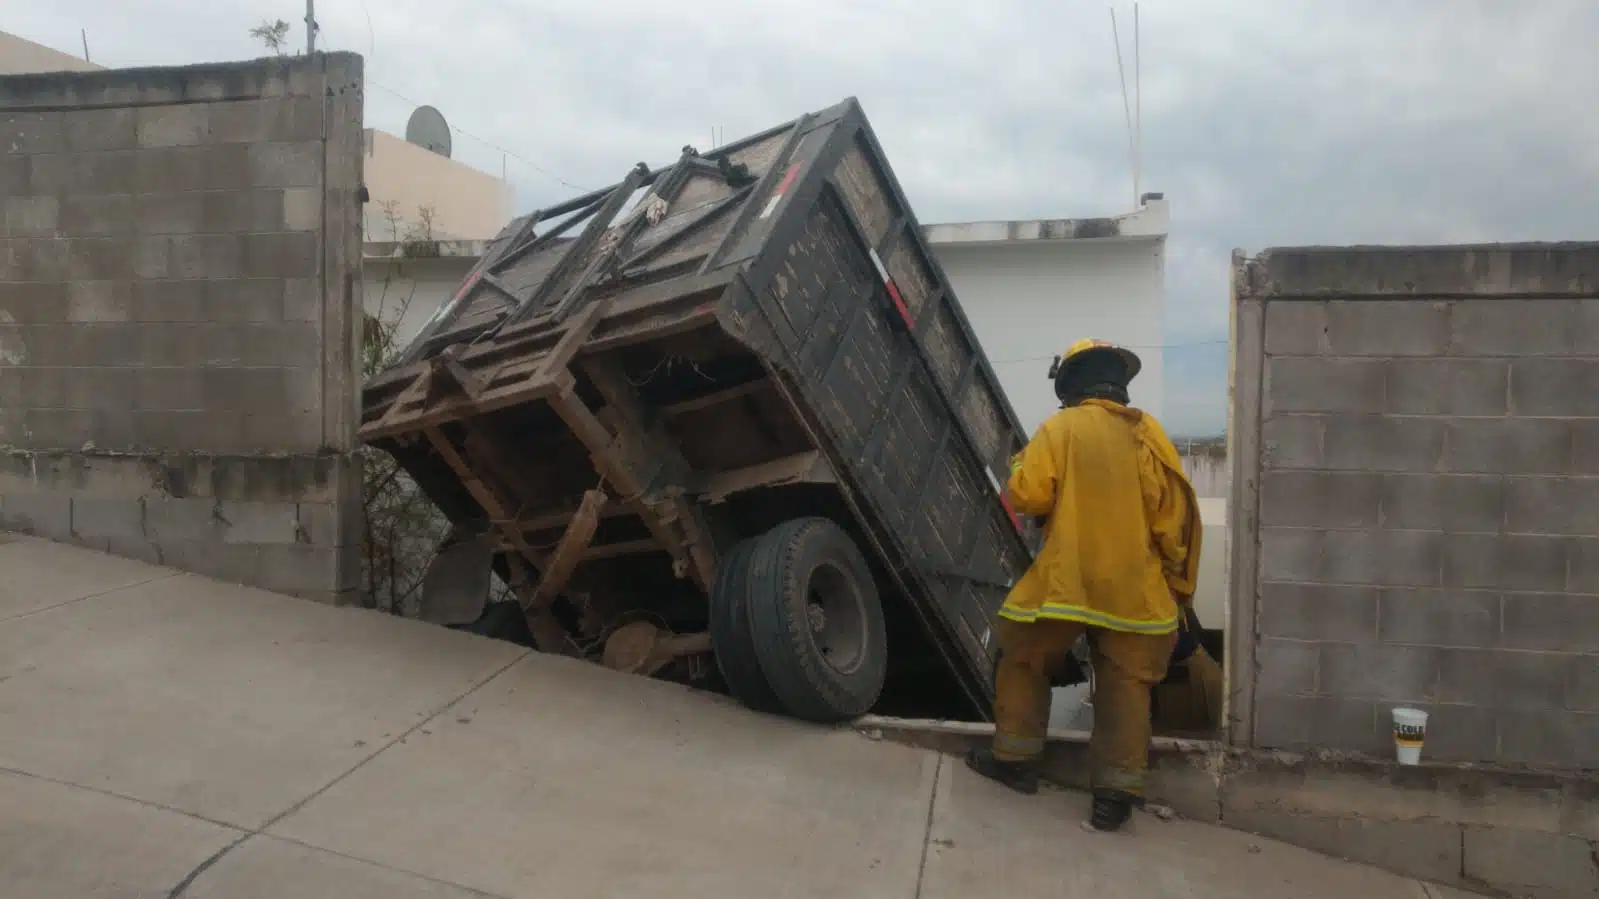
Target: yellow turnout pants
{"type": "Point", "coordinates": [1126, 666]}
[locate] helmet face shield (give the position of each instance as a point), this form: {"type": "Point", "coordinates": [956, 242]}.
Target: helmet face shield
{"type": "Point", "coordinates": [1090, 364]}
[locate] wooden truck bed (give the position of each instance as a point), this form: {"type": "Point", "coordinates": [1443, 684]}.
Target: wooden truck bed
{"type": "Point", "coordinates": [621, 394]}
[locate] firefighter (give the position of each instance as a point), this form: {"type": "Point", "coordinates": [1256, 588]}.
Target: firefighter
{"type": "Point", "coordinates": [1119, 563]}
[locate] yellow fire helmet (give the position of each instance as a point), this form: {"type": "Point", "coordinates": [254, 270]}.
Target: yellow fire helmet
{"type": "Point", "coordinates": [1094, 345]}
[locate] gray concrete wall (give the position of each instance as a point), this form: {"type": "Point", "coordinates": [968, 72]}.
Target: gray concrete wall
{"type": "Point", "coordinates": [178, 287]}
{"type": "Point", "coordinates": [1415, 500]}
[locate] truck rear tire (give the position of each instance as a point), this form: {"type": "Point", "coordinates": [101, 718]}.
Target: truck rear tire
{"type": "Point", "coordinates": [816, 621]}
{"type": "Point", "coordinates": [730, 631]}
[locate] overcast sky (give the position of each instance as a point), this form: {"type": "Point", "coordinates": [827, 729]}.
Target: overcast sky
{"type": "Point", "coordinates": [1266, 122]}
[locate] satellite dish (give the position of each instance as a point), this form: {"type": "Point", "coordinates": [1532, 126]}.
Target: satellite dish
{"type": "Point", "coordinates": [428, 129]}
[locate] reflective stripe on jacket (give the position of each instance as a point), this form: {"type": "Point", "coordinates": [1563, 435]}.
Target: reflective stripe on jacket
{"type": "Point", "coordinates": [1122, 540]}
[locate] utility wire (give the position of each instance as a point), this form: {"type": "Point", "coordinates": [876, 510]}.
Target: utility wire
{"type": "Point", "coordinates": [485, 141]}
{"type": "Point", "coordinates": [1130, 346]}
{"type": "Point", "coordinates": [372, 51]}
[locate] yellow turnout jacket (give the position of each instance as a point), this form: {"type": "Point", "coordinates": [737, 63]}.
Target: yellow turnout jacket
{"type": "Point", "coordinates": [1122, 540]}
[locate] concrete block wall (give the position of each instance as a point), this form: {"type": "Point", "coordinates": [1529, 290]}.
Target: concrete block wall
{"type": "Point", "coordinates": [1415, 501]}
{"type": "Point", "coordinates": [179, 267]}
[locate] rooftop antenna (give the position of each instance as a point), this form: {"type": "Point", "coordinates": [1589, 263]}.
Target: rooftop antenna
{"type": "Point", "coordinates": [84, 33]}
{"type": "Point", "coordinates": [427, 129]}
{"type": "Point", "coordinates": [1127, 110]}
{"type": "Point", "coordinates": [1138, 113]}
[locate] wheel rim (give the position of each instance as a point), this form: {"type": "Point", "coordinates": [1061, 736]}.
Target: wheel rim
{"type": "Point", "coordinates": [835, 614]}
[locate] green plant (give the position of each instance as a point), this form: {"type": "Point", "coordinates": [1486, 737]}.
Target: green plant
{"type": "Point", "coordinates": [274, 34]}
{"type": "Point", "coordinates": [402, 526]}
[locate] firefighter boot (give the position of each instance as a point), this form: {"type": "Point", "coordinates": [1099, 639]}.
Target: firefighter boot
{"type": "Point", "coordinates": [1021, 776]}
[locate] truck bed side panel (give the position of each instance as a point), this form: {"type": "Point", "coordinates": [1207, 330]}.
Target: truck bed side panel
{"type": "Point", "coordinates": [910, 413]}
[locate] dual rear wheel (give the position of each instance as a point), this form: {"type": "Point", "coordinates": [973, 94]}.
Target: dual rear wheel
{"type": "Point", "coordinates": [797, 625]}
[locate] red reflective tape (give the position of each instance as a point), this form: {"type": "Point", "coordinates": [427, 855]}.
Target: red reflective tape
{"type": "Point", "coordinates": [899, 303]}
{"type": "Point", "coordinates": [788, 179]}
{"type": "Point", "coordinates": [893, 289]}
{"type": "Point", "coordinates": [470, 283]}
{"type": "Point", "coordinates": [1015, 520]}
{"type": "Point", "coordinates": [455, 300]}
{"type": "Point", "coordinates": [777, 194]}
{"type": "Point", "coordinates": [1004, 499]}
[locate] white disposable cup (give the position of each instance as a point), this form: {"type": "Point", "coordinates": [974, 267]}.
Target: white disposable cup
{"type": "Point", "coordinates": [1410, 731]}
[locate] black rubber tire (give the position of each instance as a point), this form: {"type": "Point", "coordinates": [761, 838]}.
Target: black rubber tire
{"type": "Point", "coordinates": [790, 562]}
{"type": "Point", "coordinates": [730, 631]}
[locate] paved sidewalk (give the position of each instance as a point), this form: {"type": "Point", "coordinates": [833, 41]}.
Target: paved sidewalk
{"type": "Point", "coordinates": [165, 735]}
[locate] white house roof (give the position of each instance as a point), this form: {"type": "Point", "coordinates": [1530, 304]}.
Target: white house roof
{"type": "Point", "coordinates": [1150, 222]}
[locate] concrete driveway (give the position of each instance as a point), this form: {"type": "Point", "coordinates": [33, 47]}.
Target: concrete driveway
{"type": "Point", "coordinates": [162, 734]}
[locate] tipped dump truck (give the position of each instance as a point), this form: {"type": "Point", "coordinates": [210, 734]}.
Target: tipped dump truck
{"type": "Point", "coordinates": [724, 422]}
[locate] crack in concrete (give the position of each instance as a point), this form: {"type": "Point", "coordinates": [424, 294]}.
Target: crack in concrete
{"type": "Point", "coordinates": [201, 868]}
{"type": "Point", "coordinates": [18, 772]}
{"type": "Point", "coordinates": [432, 715]}
{"type": "Point", "coordinates": [927, 832]}
{"type": "Point", "coordinates": [482, 894]}
{"type": "Point", "coordinates": [426, 720]}
{"type": "Point", "coordinates": [67, 602]}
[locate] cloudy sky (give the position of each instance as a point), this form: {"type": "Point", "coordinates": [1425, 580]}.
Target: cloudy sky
{"type": "Point", "coordinates": [1266, 122]}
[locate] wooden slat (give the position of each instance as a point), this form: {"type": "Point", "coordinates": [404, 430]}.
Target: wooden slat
{"type": "Point", "coordinates": [611, 465]}
{"type": "Point", "coordinates": [454, 410]}
{"type": "Point", "coordinates": [415, 390]}
{"type": "Point", "coordinates": [807, 467]}
{"type": "Point", "coordinates": [446, 373]}
{"type": "Point", "coordinates": [493, 506]}
{"type": "Point", "coordinates": [576, 333]}
{"type": "Point", "coordinates": [522, 339]}
{"type": "Point", "coordinates": [485, 448]}
{"type": "Point", "coordinates": [548, 634]}
{"type": "Point", "coordinates": [505, 289]}
{"type": "Point", "coordinates": [639, 431]}
{"type": "Point", "coordinates": [569, 552]}
{"type": "Point", "coordinates": [544, 376]}
{"type": "Point", "coordinates": [543, 521]}
{"type": "Point", "coordinates": [715, 399]}
{"type": "Point", "coordinates": [622, 548]}
{"type": "Point", "coordinates": [628, 335]}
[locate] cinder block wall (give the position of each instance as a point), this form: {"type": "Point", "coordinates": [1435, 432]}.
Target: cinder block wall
{"type": "Point", "coordinates": [178, 330]}
{"type": "Point", "coordinates": [1415, 500]}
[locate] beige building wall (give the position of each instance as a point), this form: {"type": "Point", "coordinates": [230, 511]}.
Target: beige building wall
{"type": "Point", "coordinates": [20, 56]}
{"type": "Point", "coordinates": [403, 179]}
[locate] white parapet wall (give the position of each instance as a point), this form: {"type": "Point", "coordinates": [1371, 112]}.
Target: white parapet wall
{"type": "Point", "coordinates": [1031, 288]}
